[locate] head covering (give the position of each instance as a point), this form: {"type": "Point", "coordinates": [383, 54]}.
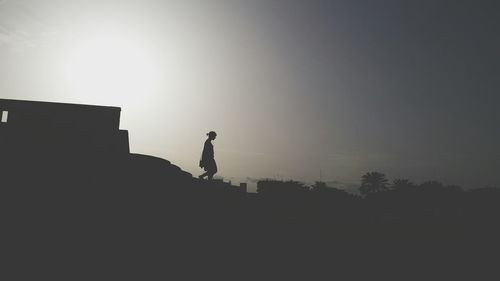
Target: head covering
{"type": "Point", "coordinates": [212, 133]}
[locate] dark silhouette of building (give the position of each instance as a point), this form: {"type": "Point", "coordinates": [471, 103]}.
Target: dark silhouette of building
{"type": "Point", "coordinates": [58, 145]}
{"type": "Point", "coordinates": [61, 128]}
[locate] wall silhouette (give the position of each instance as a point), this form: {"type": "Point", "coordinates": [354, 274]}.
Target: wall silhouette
{"type": "Point", "coordinates": [57, 129]}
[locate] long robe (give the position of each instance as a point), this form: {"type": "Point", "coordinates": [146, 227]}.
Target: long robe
{"type": "Point", "coordinates": [207, 158]}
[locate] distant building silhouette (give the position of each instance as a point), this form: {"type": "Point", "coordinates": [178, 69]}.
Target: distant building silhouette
{"type": "Point", "coordinates": [243, 187]}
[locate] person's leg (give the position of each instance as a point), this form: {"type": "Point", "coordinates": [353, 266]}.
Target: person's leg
{"type": "Point", "coordinates": [203, 175]}
{"type": "Point", "coordinates": [211, 169]}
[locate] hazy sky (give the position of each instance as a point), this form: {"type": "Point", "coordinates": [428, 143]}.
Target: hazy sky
{"type": "Point", "coordinates": [408, 88]}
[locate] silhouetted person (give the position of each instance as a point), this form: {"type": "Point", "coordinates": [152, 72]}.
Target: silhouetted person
{"type": "Point", "coordinates": [207, 161]}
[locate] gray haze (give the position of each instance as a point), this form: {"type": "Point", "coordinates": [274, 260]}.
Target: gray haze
{"type": "Point", "coordinates": [408, 88]}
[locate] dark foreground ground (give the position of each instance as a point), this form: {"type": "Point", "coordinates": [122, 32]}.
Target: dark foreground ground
{"type": "Point", "coordinates": [149, 220]}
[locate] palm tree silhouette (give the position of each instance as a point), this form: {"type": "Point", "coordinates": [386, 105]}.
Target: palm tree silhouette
{"type": "Point", "coordinates": [373, 182]}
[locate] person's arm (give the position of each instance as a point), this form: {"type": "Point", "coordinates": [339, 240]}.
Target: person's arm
{"type": "Point", "coordinates": [203, 156]}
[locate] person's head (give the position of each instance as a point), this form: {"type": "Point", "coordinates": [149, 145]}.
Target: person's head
{"type": "Point", "coordinates": [212, 135]}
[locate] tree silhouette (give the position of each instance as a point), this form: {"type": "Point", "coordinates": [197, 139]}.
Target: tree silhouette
{"type": "Point", "coordinates": [281, 187]}
{"type": "Point", "coordinates": [373, 182]}
{"type": "Point", "coordinates": [402, 184]}
{"type": "Point", "coordinates": [431, 186]}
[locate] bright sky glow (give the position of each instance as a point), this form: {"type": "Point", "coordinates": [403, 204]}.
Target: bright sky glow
{"type": "Point", "coordinates": [111, 67]}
